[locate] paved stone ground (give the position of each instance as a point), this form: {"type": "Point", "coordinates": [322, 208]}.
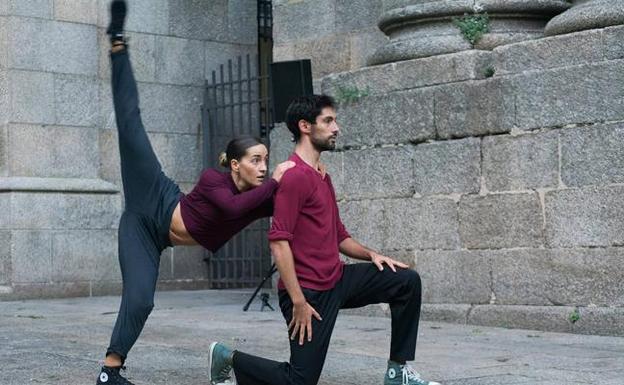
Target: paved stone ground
{"type": "Point", "coordinates": [63, 341]}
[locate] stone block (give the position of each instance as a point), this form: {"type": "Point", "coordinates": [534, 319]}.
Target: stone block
{"type": "Point", "coordinates": [4, 151]}
{"type": "Point", "coordinates": [282, 146]}
{"type": "Point", "coordinates": [31, 8]}
{"type": "Point", "coordinates": [363, 45]}
{"type": "Point", "coordinates": [436, 70]}
{"type": "Point", "coordinates": [31, 258]}
{"type": "Point", "coordinates": [196, 19]}
{"type": "Point", "coordinates": [401, 117]}
{"type": "Point", "coordinates": [171, 70]}
{"type": "Point", "coordinates": [614, 42]}
{"type": "Point", "coordinates": [546, 53]}
{"type": "Point", "coordinates": [101, 288]}
{"type": "Point", "coordinates": [592, 216]}
{"type": "Point", "coordinates": [148, 16]}
{"type": "Point", "coordinates": [51, 151]}
{"type": "Point", "coordinates": [592, 155]}
{"type": "Point", "coordinates": [283, 52]}
{"type": "Point", "coordinates": [107, 114]}
{"type": "Point", "coordinates": [583, 94]}
{"type": "Point", "coordinates": [84, 255]}
{"type": "Point", "coordinates": [454, 313]}
{"type": "Point", "coordinates": [500, 221]}
{"type": "Point", "coordinates": [454, 276]}
{"type": "Point", "coordinates": [242, 16]}
{"type": "Point", "coordinates": [32, 97]}
{"type": "Point", "coordinates": [378, 173]}
{"type": "Point", "coordinates": [292, 21]}
{"type": "Point", "coordinates": [179, 155]}
{"type": "Point", "coordinates": [324, 64]}
{"type": "Point", "coordinates": [474, 108]}
{"type": "Point", "coordinates": [188, 263]}
{"type": "Point", "coordinates": [81, 11]}
{"type": "Point", "coordinates": [24, 291]}
{"type": "Point", "coordinates": [5, 209]}
{"type": "Point", "coordinates": [110, 169]}
{"type": "Point", "coordinates": [606, 321]}
{"type": "Point", "coordinates": [545, 318]}
{"type": "Point", "coordinates": [448, 167]}
{"type": "Point", "coordinates": [5, 257]}
{"type": "Point", "coordinates": [4, 42]}
{"type": "Point", "coordinates": [364, 220]}
{"type": "Point", "coordinates": [587, 15]}
{"type": "Point", "coordinates": [424, 223]}
{"type": "Point", "coordinates": [521, 162]}
{"type": "Point", "coordinates": [570, 277]}
{"type": "Point", "coordinates": [51, 46]}
{"type": "Point", "coordinates": [217, 54]}
{"type": "Point", "coordinates": [357, 15]}
{"type": "Point", "coordinates": [333, 161]}
{"type": "Point", "coordinates": [76, 100]}
{"type": "Point", "coordinates": [168, 108]}
{"type": "Point", "coordinates": [165, 269]}
{"type": "Point", "coordinates": [143, 55]}
{"type": "Point", "coordinates": [64, 211]}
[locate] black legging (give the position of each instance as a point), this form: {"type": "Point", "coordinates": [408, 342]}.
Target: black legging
{"type": "Point", "coordinates": [150, 198]}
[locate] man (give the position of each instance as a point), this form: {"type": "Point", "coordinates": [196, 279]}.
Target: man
{"type": "Point", "coordinates": [305, 238]}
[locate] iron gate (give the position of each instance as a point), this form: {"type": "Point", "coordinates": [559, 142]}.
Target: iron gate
{"type": "Point", "coordinates": [237, 101]}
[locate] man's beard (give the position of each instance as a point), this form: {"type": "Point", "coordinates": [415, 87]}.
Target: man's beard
{"type": "Point", "coordinates": [321, 145]}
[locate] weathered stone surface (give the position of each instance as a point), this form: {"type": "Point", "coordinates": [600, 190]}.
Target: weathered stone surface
{"type": "Point", "coordinates": [378, 173]}
{"type": "Point", "coordinates": [34, 290]}
{"type": "Point", "coordinates": [357, 15]}
{"type": "Point", "coordinates": [5, 257]}
{"type": "Point", "coordinates": [606, 321]}
{"type": "Point", "coordinates": [110, 288]}
{"type": "Point", "coordinates": [217, 54]}
{"type": "Point", "coordinates": [242, 18]}
{"type": "Point", "coordinates": [425, 223]}
{"type": "Point", "coordinates": [76, 11]}
{"type": "Point", "coordinates": [558, 277]}
{"type": "Point", "coordinates": [614, 42]}
{"type": "Point", "coordinates": [4, 45]}
{"type": "Point", "coordinates": [522, 162]}
{"type": "Point", "coordinates": [51, 46]}
{"type": "Point", "coordinates": [365, 221]}
{"type": "Point", "coordinates": [109, 166]}
{"type": "Point", "coordinates": [83, 255]}
{"type": "Point", "coordinates": [454, 276]}
{"type": "Point", "coordinates": [188, 263]}
{"type": "Point", "coordinates": [66, 185]}
{"type": "Point", "coordinates": [292, 21]}
{"type": "Point", "coordinates": [552, 52]}
{"type": "Point", "coordinates": [588, 15]}
{"type": "Point", "coordinates": [76, 100]}
{"type": "Point", "coordinates": [546, 318]}
{"type": "Point", "coordinates": [5, 209]}
{"type": "Point", "coordinates": [592, 155]}
{"type": "Point", "coordinates": [363, 44]}
{"type": "Point", "coordinates": [455, 313]}
{"type": "Point", "coordinates": [31, 258]}
{"type": "Point", "coordinates": [165, 269]}
{"type": "Point", "coordinates": [64, 211]}
{"type": "Point", "coordinates": [179, 155]}
{"type": "Point", "coordinates": [500, 221]}
{"type": "Point", "coordinates": [474, 108]}
{"type": "Point", "coordinates": [592, 216]}
{"type": "Point", "coordinates": [282, 146]}
{"type": "Point", "coordinates": [143, 56]}
{"type": "Point", "coordinates": [448, 167]}
{"type": "Point", "coordinates": [171, 70]}
{"type": "Point", "coordinates": [197, 19]}
{"type": "Point", "coordinates": [33, 8]}
{"type": "Point", "coordinates": [32, 97]}
{"type": "Point", "coordinates": [400, 117]}
{"type": "Point", "coordinates": [324, 64]}
{"type": "Point", "coordinates": [149, 16]}
{"type": "Point", "coordinates": [333, 161]}
{"type": "Point", "coordinates": [4, 151]}
{"type": "Point", "coordinates": [69, 152]}
{"type": "Point", "coordinates": [583, 94]}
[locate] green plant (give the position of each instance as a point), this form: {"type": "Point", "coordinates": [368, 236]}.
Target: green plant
{"type": "Point", "coordinates": [489, 71]}
{"type": "Point", "coordinates": [473, 27]}
{"type": "Point", "coordinates": [350, 94]}
{"type": "Point", "coordinates": [574, 316]}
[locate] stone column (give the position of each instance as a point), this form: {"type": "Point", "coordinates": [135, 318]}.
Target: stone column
{"type": "Point", "coordinates": [587, 14]}
{"type": "Point", "coordinates": [418, 28]}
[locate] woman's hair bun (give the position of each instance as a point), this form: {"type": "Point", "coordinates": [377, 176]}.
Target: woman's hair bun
{"type": "Point", "coordinates": [223, 161]}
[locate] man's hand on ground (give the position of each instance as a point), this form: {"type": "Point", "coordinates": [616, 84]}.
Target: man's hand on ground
{"type": "Point", "coordinates": [301, 322]}
{"type": "Point", "coordinates": [379, 260]}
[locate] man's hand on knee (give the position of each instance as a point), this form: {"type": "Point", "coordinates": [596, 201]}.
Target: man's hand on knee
{"type": "Point", "coordinates": [301, 322]}
{"type": "Point", "coordinates": [379, 261]}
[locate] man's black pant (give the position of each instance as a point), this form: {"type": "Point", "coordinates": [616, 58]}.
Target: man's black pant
{"type": "Point", "coordinates": [361, 284]}
{"type": "Point", "coordinates": [150, 198]}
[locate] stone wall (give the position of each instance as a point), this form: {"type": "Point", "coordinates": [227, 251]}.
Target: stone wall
{"type": "Point", "coordinates": [59, 164]}
{"type": "Point", "coordinates": [337, 35]}
{"type": "Point", "coordinates": [504, 191]}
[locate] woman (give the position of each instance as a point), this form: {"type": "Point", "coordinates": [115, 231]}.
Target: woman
{"type": "Point", "coordinates": [157, 215]}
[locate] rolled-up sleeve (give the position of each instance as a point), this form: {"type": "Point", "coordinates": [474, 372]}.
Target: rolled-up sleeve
{"type": "Point", "coordinates": [290, 197]}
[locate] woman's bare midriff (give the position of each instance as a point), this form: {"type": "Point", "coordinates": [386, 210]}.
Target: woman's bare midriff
{"type": "Point", "coordinates": [177, 231]}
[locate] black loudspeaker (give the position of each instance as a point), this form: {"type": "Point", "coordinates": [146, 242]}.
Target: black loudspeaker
{"type": "Point", "coordinates": [289, 80]}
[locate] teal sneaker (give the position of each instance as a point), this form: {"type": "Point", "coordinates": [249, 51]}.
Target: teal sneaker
{"type": "Point", "coordinates": [398, 374]}
{"type": "Point", "coordinates": [220, 363]}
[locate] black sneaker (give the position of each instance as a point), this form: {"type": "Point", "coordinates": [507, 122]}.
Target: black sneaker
{"type": "Point", "coordinates": [117, 17]}
{"type": "Point", "coordinates": [111, 376]}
